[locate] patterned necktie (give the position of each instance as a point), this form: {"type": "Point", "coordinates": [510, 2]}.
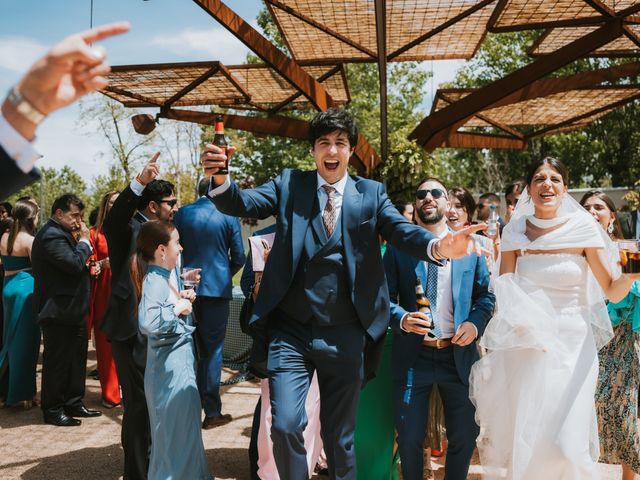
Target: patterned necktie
{"type": "Point", "coordinates": [432, 295]}
{"type": "Point", "coordinates": [329, 212]}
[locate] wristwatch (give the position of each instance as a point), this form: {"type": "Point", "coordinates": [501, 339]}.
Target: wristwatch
{"type": "Point", "coordinates": [25, 107]}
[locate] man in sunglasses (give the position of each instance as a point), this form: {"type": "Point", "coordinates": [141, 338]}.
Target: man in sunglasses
{"type": "Point", "coordinates": [146, 198]}
{"type": "Point", "coordinates": [422, 357]}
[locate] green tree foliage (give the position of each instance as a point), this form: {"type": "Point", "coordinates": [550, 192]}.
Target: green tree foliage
{"type": "Point", "coordinates": [602, 154]}
{"type": "Point", "coordinates": [53, 183]}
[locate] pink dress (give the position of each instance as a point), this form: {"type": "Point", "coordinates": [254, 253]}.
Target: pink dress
{"type": "Point", "coordinates": [312, 442]}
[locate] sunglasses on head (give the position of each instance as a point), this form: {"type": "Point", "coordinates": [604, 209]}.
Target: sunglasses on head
{"type": "Point", "coordinates": [436, 193]}
{"type": "Point", "coordinates": [171, 203]}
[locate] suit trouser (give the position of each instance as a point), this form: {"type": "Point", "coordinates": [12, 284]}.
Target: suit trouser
{"type": "Point", "coordinates": [411, 407]}
{"type": "Point", "coordinates": [64, 362]}
{"type": "Point", "coordinates": [135, 435]}
{"type": "Point", "coordinates": [212, 315]}
{"type": "Point", "coordinates": [253, 441]}
{"type": "Point", "coordinates": [335, 352]}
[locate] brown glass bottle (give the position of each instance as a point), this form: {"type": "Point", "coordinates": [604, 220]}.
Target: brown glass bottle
{"type": "Point", "coordinates": [219, 140]}
{"type": "Point", "coordinates": [424, 306]}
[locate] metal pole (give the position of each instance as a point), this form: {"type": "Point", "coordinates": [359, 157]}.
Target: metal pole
{"type": "Point", "coordinates": [381, 34]}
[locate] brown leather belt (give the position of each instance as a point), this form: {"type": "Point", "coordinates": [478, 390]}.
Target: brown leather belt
{"type": "Point", "coordinates": [437, 343]}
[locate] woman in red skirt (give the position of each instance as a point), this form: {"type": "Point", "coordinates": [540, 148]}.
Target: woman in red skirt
{"type": "Point", "coordinates": [100, 294]}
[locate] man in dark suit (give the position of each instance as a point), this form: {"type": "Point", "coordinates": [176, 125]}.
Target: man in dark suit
{"type": "Point", "coordinates": [144, 199]}
{"type": "Point", "coordinates": [212, 241]}
{"type": "Point", "coordinates": [68, 71]}
{"type": "Point", "coordinates": [461, 305]}
{"type": "Point", "coordinates": [323, 295]}
{"type": "Point", "coordinates": [629, 224]}
{"type": "Point", "coordinates": [61, 302]}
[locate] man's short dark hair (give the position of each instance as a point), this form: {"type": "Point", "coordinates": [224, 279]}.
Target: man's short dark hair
{"type": "Point", "coordinates": [203, 186]}
{"type": "Point", "coordinates": [490, 197]}
{"type": "Point", "coordinates": [155, 191]}
{"type": "Point", "coordinates": [330, 121]}
{"type": "Point", "coordinates": [65, 202]}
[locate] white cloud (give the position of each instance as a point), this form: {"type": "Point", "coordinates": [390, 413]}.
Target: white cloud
{"type": "Point", "coordinates": [207, 44]}
{"type": "Point", "coordinates": [18, 53]}
{"type": "Point", "coordinates": [62, 142]}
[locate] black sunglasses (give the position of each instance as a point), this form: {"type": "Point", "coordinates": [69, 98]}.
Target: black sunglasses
{"type": "Point", "coordinates": [171, 203]}
{"type": "Point", "coordinates": [436, 193]}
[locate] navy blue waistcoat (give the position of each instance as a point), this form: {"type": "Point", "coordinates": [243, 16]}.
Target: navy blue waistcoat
{"type": "Point", "coordinates": [320, 290]}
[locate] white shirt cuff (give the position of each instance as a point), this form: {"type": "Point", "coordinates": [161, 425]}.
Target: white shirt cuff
{"type": "Point", "coordinates": [137, 187]}
{"type": "Point", "coordinates": [17, 147]}
{"type": "Point", "coordinates": [430, 247]}
{"type": "Point", "coordinates": [84, 240]}
{"type": "Point", "coordinates": [402, 322]}
{"type": "Point", "coordinates": [214, 192]}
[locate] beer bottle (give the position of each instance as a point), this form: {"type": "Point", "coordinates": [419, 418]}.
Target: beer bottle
{"type": "Point", "coordinates": [424, 306]}
{"type": "Point", "coordinates": [219, 140]}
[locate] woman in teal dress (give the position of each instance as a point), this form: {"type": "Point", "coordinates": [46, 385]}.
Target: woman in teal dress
{"type": "Point", "coordinates": [177, 451]}
{"type": "Point", "coordinates": [21, 334]}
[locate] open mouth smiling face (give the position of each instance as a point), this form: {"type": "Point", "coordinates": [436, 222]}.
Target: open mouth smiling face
{"type": "Point", "coordinates": [547, 187]}
{"type": "Point", "coordinates": [331, 153]}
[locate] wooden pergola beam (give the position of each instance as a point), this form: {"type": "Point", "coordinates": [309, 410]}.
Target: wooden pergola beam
{"type": "Point", "coordinates": [364, 157]}
{"type": "Point", "coordinates": [577, 118]}
{"type": "Point", "coordinates": [202, 78]}
{"type": "Point", "coordinates": [482, 140]}
{"type": "Point", "coordinates": [323, 28]}
{"type": "Point", "coordinates": [443, 26]}
{"type": "Point", "coordinates": [133, 96]}
{"type": "Point", "coordinates": [330, 73]}
{"type": "Point", "coordinates": [490, 121]}
{"type": "Point", "coordinates": [289, 69]}
{"type": "Point", "coordinates": [434, 129]}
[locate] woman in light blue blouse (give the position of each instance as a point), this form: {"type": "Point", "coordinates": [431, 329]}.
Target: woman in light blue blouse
{"type": "Point", "coordinates": [170, 386]}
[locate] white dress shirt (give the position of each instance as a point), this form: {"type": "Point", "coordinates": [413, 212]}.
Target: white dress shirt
{"type": "Point", "coordinates": [17, 147]}
{"type": "Point", "coordinates": [443, 313]}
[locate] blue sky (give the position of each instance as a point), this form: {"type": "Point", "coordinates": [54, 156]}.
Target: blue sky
{"type": "Point", "coordinates": [161, 31]}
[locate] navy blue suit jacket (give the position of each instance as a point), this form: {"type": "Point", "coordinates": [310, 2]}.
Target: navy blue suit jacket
{"type": "Point", "coordinates": [13, 179]}
{"type": "Point", "coordinates": [62, 288]}
{"type": "Point", "coordinates": [366, 212]}
{"type": "Point", "coordinates": [211, 241]}
{"type": "Point", "coordinates": [472, 301]}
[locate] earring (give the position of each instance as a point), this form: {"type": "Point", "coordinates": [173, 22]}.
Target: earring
{"type": "Point", "coordinates": [610, 227]}
{"type": "Point", "coordinates": [164, 257]}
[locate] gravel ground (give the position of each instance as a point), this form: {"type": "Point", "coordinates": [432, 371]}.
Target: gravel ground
{"type": "Point", "coordinates": [31, 450]}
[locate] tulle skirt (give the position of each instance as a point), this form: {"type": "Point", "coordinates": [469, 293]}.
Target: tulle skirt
{"type": "Point", "coordinates": [534, 390]}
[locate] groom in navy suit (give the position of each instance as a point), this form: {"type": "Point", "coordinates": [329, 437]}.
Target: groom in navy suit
{"type": "Point", "coordinates": [461, 305]}
{"type": "Point", "coordinates": [212, 241]}
{"type": "Point", "coordinates": [323, 294]}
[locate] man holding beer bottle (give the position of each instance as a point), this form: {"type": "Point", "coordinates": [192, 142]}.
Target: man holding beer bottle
{"type": "Point", "coordinates": [323, 297]}
{"type": "Point", "coordinates": [435, 340]}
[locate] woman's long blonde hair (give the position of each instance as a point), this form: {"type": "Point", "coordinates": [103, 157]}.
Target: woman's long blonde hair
{"type": "Point", "coordinates": [103, 208]}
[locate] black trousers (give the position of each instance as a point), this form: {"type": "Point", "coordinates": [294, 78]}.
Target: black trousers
{"type": "Point", "coordinates": [64, 365]}
{"type": "Point", "coordinates": [135, 436]}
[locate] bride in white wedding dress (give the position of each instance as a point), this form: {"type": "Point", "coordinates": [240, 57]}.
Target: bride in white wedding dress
{"type": "Point", "coordinates": [534, 390]}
